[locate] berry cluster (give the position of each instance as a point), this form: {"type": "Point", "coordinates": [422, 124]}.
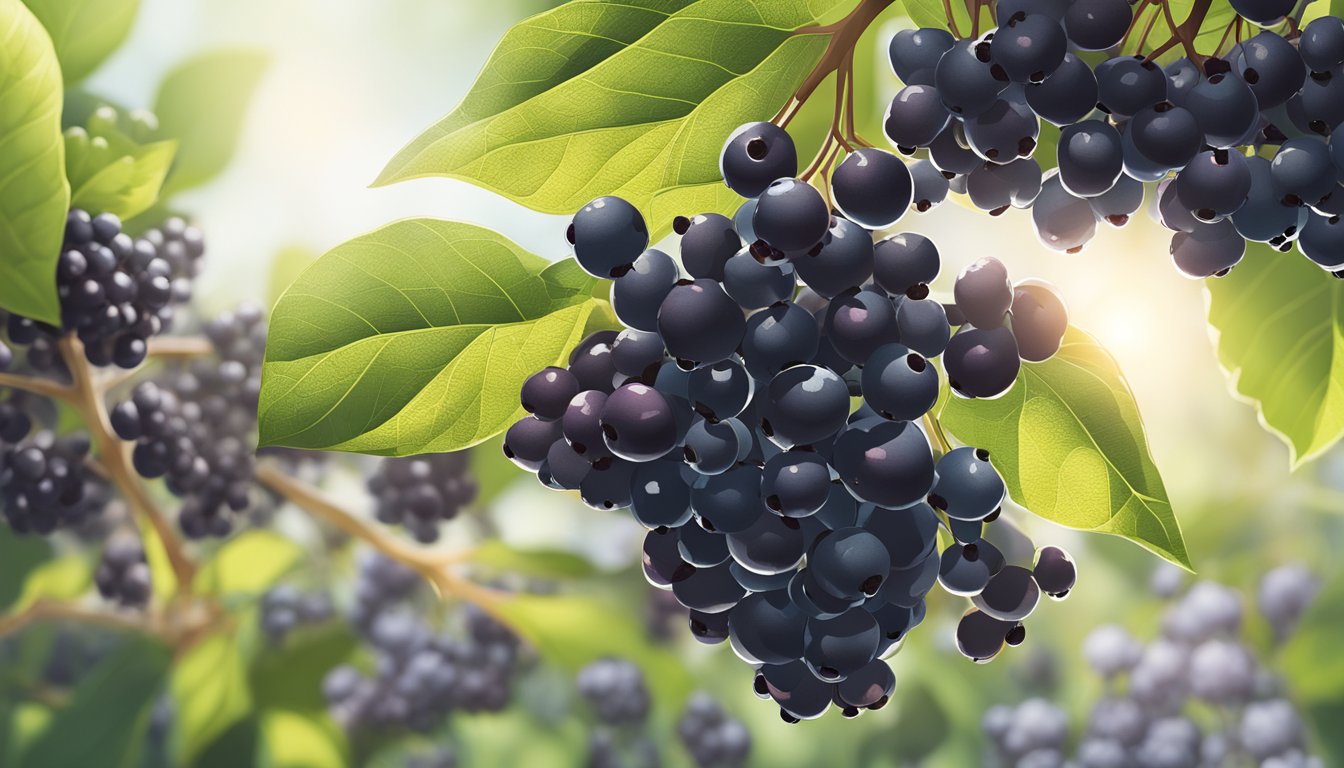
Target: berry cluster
{"type": "Point", "coordinates": [44, 483]}
{"type": "Point", "coordinates": [116, 292]}
{"type": "Point", "coordinates": [123, 573]}
{"type": "Point", "coordinates": [977, 105]}
{"type": "Point", "coordinates": [615, 693]}
{"type": "Point", "coordinates": [1148, 718]}
{"type": "Point", "coordinates": [420, 492]}
{"type": "Point", "coordinates": [712, 737]}
{"type": "Point", "coordinates": [780, 516]}
{"type": "Point", "coordinates": [421, 676]}
{"type": "Point", "coordinates": [284, 608]}
{"type": "Point", "coordinates": [194, 424]}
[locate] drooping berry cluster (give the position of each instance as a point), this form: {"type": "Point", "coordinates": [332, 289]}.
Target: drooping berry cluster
{"type": "Point", "coordinates": [115, 292]}
{"type": "Point", "coordinates": [422, 676]}
{"type": "Point", "coordinates": [123, 574]}
{"type": "Point", "coordinates": [976, 107]}
{"type": "Point", "coordinates": [1147, 719]}
{"type": "Point", "coordinates": [284, 609]}
{"type": "Point", "coordinates": [420, 492]}
{"type": "Point", "coordinates": [194, 425]}
{"type": "Point", "coordinates": [783, 518]}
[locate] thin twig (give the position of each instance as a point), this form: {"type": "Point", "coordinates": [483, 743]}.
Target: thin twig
{"type": "Point", "coordinates": [50, 610]}
{"type": "Point", "coordinates": [951, 19]}
{"type": "Point", "coordinates": [435, 566]}
{"type": "Point", "coordinates": [37, 386]}
{"type": "Point", "coordinates": [113, 454]}
{"type": "Point", "coordinates": [934, 428]}
{"type": "Point", "coordinates": [180, 346]}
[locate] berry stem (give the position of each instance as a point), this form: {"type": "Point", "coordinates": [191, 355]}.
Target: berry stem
{"type": "Point", "coordinates": [37, 386]}
{"type": "Point", "coordinates": [951, 19]}
{"type": "Point", "coordinates": [844, 35]}
{"type": "Point", "coordinates": [180, 347]}
{"type": "Point", "coordinates": [434, 566]}
{"type": "Point", "coordinates": [934, 428]}
{"type": "Point", "coordinates": [51, 610]}
{"type": "Point", "coordinates": [1186, 31]}
{"type": "Point", "coordinates": [88, 400]}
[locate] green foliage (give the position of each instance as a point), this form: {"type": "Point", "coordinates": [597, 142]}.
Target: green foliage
{"type": "Point", "coordinates": [573, 630]}
{"type": "Point", "coordinates": [1314, 668]}
{"type": "Point", "coordinates": [548, 564]}
{"type": "Point", "coordinates": [1280, 327]}
{"type": "Point", "coordinates": [63, 578]}
{"type": "Point", "coordinates": [34, 195]}
{"type": "Point", "coordinates": [249, 564]}
{"type": "Point", "coordinates": [1069, 442]}
{"type": "Point", "coordinates": [19, 557]}
{"type": "Point", "coordinates": [103, 724]}
{"type": "Point", "coordinates": [415, 338]}
{"type": "Point", "coordinates": [210, 690]}
{"type": "Point", "coordinates": [930, 13]}
{"type": "Point", "coordinates": [111, 173]}
{"type": "Point", "coordinates": [202, 103]}
{"type": "Point", "coordinates": [84, 32]}
{"type": "Point", "coordinates": [632, 99]}
{"type": "Point", "coordinates": [290, 676]}
{"type": "Point", "coordinates": [294, 740]}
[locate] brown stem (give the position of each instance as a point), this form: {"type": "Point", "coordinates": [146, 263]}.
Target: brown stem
{"type": "Point", "coordinates": [844, 34]}
{"type": "Point", "coordinates": [951, 19]}
{"type": "Point", "coordinates": [1187, 30]}
{"type": "Point", "coordinates": [180, 347]}
{"type": "Point", "coordinates": [50, 610]}
{"type": "Point", "coordinates": [113, 454]}
{"type": "Point", "coordinates": [37, 386]}
{"type": "Point", "coordinates": [435, 566]}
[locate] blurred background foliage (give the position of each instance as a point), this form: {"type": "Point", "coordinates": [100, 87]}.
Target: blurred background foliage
{"type": "Point", "coordinates": [344, 86]}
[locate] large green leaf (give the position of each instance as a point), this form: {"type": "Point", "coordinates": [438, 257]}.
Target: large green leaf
{"type": "Point", "coordinates": [290, 676]}
{"type": "Point", "coordinates": [1069, 442]}
{"type": "Point", "coordinates": [249, 564]}
{"type": "Point", "coordinates": [84, 32]}
{"type": "Point", "coordinates": [34, 195]}
{"type": "Point", "coordinates": [1279, 322]}
{"type": "Point", "coordinates": [631, 98]}
{"type": "Point", "coordinates": [19, 557]}
{"type": "Point", "coordinates": [104, 721]}
{"type": "Point", "coordinates": [415, 338]}
{"type": "Point", "coordinates": [294, 740]}
{"type": "Point", "coordinates": [110, 173]}
{"type": "Point", "coordinates": [202, 104]}
{"type": "Point", "coordinates": [210, 690]}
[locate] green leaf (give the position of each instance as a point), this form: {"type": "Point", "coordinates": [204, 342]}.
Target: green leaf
{"type": "Point", "coordinates": [65, 578]}
{"type": "Point", "coordinates": [103, 722]}
{"type": "Point", "coordinates": [290, 676]}
{"type": "Point", "coordinates": [34, 195]}
{"type": "Point", "coordinates": [415, 338]}
{"type": "Point", "coordinates": [548, 564]}
{"type": "Point", "coordinates": [572, 630]}
{"type": "Point", "coordinates": [930, 13]}
{"type": "Point", "coordinates": [249, 564]}
{"type": "Point", "coordinates": [293, 740]}
{"type": "Point", "coordinates": [202, 104]}
{"type": "Point", "coordinates": [617, 97]}
{"type": "Point", "coordinates": [84, 32]}
{"type": "Point", "coordinates": [110, 173]}
{"type": "Point", "coordinates": [235, 747]}
{"type": "Point", "coordinates": [210, 689]}
{"type": "Point", "coordinates": [20, 556]}
{"type": "Point", "coordinates": [1279, 321]}
{"type": "Point", "coordinates": [1070, 445]}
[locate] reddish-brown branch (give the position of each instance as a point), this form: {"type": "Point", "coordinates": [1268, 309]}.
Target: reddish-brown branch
{"type": "Point", "coordinates": [844, 35]}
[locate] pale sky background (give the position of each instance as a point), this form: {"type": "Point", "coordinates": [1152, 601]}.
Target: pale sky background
{"type": "Point", "coordinates": [351, 82]}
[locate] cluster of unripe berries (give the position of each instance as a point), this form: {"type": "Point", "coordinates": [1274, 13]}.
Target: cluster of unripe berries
{"type": "Point", "coordinates": [115, 291]}
{"type": "Point", "coordinates": [976, 107]}
{"type": "Point", "coordinates": [786, 520]}
{"type": "Point", "coordinates": [1150, 716]}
